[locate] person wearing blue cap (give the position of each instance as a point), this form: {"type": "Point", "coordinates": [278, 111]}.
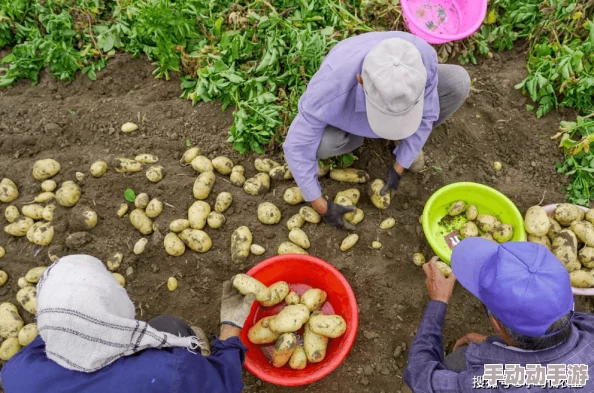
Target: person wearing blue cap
{"type": "Point", "coordinates": [527, 297]}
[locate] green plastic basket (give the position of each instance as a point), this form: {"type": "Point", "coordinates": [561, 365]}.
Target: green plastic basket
{"type": "Point", "coordinates": [442, 238]}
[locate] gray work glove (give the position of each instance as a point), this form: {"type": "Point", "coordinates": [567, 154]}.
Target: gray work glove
{"type": "Point", "coordinates": [335, 216]}
{"type": "Point", "coordinates": [392, 181]}
{"type": "Point", "coordinates": [235, 308]}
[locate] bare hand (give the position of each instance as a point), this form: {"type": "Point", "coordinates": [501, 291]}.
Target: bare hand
{"type": "Point", "coordinates": [439, 287]}
{"type": "Point", "coordinates": [470, 338]}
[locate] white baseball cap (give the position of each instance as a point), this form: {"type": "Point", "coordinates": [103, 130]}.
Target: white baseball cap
{"type": "Point", "coordinates": [394, 79]}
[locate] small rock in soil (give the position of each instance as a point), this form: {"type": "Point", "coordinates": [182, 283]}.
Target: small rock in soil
{"type": "Point", "coordinates": [154, 268]}
{"type": "Point", "coordinates": [334, 386]}
{"type": "Point", "coordinates": [129, 271]}
{"type": "Point", "coordinates": [368, 370]}
{"type": "Point", "coordinates": [399, 350]}
{"type": "Point", "coordinates": [370, 335]}
{"type": "Point", "coordinates": [385, 371]}
{"type": "Point", "coordinates": [364, 381]}
{"type": "Point", "coordinates": [78, 239]}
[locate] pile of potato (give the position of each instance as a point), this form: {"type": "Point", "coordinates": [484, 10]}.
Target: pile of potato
{"type": "Point", "coordinates": [300, 312]}
{"type": "Point", "coordinates": [485, 226]}
{"type": "Point", "coordinates": [569, 234]}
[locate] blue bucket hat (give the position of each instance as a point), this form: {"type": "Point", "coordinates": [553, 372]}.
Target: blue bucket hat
{"type": "Point", "coordinates": [523, 284]}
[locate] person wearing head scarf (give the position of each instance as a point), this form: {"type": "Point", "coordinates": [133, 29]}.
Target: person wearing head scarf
{"type": "Point", "coordinates": [89, 340]}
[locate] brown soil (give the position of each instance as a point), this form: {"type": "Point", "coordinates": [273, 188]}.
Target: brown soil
{"type": "Point", "coordinates": [79, 123]}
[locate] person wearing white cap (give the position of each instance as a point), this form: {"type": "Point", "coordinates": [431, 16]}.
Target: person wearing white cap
{"type": "Point", "coordinates": [377, 85]}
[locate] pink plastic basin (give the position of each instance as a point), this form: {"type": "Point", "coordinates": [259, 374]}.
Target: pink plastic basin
{"type": "Point", "coordinates": [440, 21]}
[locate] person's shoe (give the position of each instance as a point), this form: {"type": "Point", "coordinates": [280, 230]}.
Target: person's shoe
{"type": "Point", "coordinates": [418, 164]}
{"type": "Point", "coordinates": [202, 340]}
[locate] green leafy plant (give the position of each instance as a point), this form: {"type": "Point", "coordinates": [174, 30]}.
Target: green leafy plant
{"type": "Point", "coordinates": [129, 195]}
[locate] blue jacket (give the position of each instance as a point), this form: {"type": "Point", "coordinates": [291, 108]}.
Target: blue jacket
{"type": "Point", "coordinates": [168, 370]}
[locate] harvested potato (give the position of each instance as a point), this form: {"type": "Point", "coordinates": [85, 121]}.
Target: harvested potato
{"type": "Point", "coordinates": [566, 213]}
{"type": "Point", "coordinates": [48, 212]}
{"type": "Point", "coordinates": [536, 221]}
{"type": "Point", "coordinates": [586, 257]}
{"type": "Point", "coordinates": [237, 176]}
{"type": "Point", "coordinates": [257, 185]}
{"type": "Point", "coordinates": [565, 247]}
{"type": "Point", "coordinates": [487, 222]}
{"type": "Point", "coordinates": [293, 196]}
{"type": "Point", "coordinates": [8, 191]}
{"type": "Point", "coordinates": [155, 173]}
{"type": "Point", "coordinates": [140, 245]}
{"type": "Point", "coordinates": [44, 197]}
{"type": "Point", "coordinates": [503, 233]}
{"type": "Point", "coordinates": [27, 334]}
{"type": "Point", "coordinates": [314, 345]}
{"type": "Point", "coordinates": [223, 201]}
{"type": "Point", "coordinates": [299, 237]}
{"type": "Point", "coordinates": [80, 177]}
{"type": "Point", "coordinates": [355, 217]}
{"type": "Point", "coordinates": [419, 259]}
{"type": "Point", "coordinates": [581, 279]}
{"type": "Point", "coordinates": [444, 268]}
{"type": "Point", "coordinates": [33, 211]}
{"type": "Point", "coordinates": [22, 283]}
{"type": "Point", "coordinates": [298, 359]}
{"type": "Point", "coordinates": [542, 240]}
{"type": "Point", "coordinates": [310, 215]}
{"type": "Point", "coordinates": [113, 262]}
{"type": "Point", "coordinates": [457, 208]}
{"type": "Point", "coordinates": [257, 249]}
{"type": "Point", "coordinates": [126, 165]}
{"type": "Point", "coordinates": [246, 284]}
{"type": "Point", "coordinates": [119, 278]}
{"type": "Point", "coordinates": [388, 223]}
{"type": "Point", "coordinates": [349, 242]}
{"type": "Point", "coordinates": [223, 165]}
{"type": "Point", "coordinates": [198, 214]}
{"type": "Point", "coordinates": [313, 298]}
{"type": "Point", "coordinates": [292, 298]}
{"type": "Point", "coordinates": [48, 186]}
{"type": "Point", "coordinates": [584, 232]}
{"type": "Point", "coordinates": [141, 222]}
{"type": "Point", "coordinates": [589, 216]}
{"type": "Point", "coordinates": [146, 158]}
{"type": "Point", "coordinates": [19, 227]}
{"type": "Point", "coordinates": [179, 225]}
{"type": "Point", "coordinates": [331, 326]}
{"type": "Point", "coordinates": [471, 212]}
{"type": "Point", "coordinates": [142, 200]}
{"type": "Point", "coordinates": [295, 221]}
{"type": "Point", "coordinates": [261, 334]}
{"type": "Point", "coordinates": [11, 213]}
{"type": "Point", "coordinates": [10, 320]}
{"type": "Point", "coordinates": [290, 248]}
{"type": "Point", "coordinates": [202, 164]}
{"type": "Point", "coordinates": [278, 292]}
{"type": "Point", "coordinates": [352, 193]}
{"type": "Point", "coordinates": [203, 185]}
{"type": "Point", "coordinates": [268, 213]}
{"type": "Point", "coordinates": [68, 194]}
{"type": "Point", "coordinates": [469, 229]}
{"type": "Point", "coordinates": [323, 169]}
{"type": "Point", "coordinates": [265, 164]}
{"type": "Point", "coordinates": [196, 240]}
{"type": "Point", "coordinates": [379, 201]}
{"type": "Point", "coordinates": [349, 175]}
{"type": "Point", "coordinates": [172, 284]}
{"type": "Point", "coordinates": [343, 200]}
{"type": "Point", "coordinates": [27, 297]}
{"type": "Point", "coordinates": [376, 245]}
{"type": "Point", "coordinates": [82, 218]}
{"type": "Point", "coordinates": [189, 156]}
{"type": "Point", "coordinates": [154, 208]}
{"type": "Point", "coordinates": [215, 220]}
{"type": "Point", "coordinates": [281, 173]}
{"type": "Point", "coordinates": [34, 275]}
{"type": "Point", "coordinates": [3, 277]}
{"type": "Point", "coordinates": [40, 233]}
{"type": "Point", "coordinates": [2, 252]}
{"type": "Point", "coordinates": [290, 319]}
{"type": "Point", "coordinates": [44, 169]}
{"type": "Point", "coordinates": [129, 127]}
{"type": "Point", "coordinates": [554, 228]}
{"type": "Point", "coordinates": [241, 241]}
{"type": "Point", "coordinates": [9, 348]}
{"type": "Point", "coordinates": [122, 210]}
{"type": "Point", "coordinates": [98, 168]}
{"type": "Point", "coordinates": [283, 349]}
{"type": "Point", "coordinates": [174, 246]}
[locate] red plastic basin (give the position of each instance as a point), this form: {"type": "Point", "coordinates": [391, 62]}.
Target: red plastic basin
{"type": "Point", "coordinates": [314, 272]}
